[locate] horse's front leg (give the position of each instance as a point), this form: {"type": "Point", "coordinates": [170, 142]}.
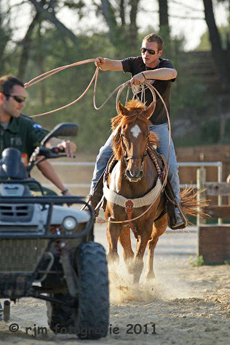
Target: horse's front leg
{"type": "Point", "coordinates": [159, 228]}
{"type": "Point", "coordinates": [113, 232]}
{"type": "Point", "coordinates": [151, 247]}
{"type": "Point", "coordinates": [143, 237]}
{"type": "Point", "coordinates": [128, 253]}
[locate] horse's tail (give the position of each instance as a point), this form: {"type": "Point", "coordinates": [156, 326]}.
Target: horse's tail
{"type": "Point", "coordinates": [193, 203]}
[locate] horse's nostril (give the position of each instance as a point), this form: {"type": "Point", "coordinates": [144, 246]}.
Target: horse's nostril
{"type": "Point", "coordinates": [135, 173]}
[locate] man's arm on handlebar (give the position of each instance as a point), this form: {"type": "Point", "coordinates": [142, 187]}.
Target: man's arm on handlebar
{"type": "Point", "coordinates": [68, 146]}
{"type": "Point", "coordinates": [48, 171]}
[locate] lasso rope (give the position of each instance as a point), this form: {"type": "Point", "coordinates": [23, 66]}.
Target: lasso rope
{"type": "Point", "coordinates": [56, 70]}
{"type": "Point", "coordinates": [59, 69]}
{"type": "Point", "coordinates": [120, 88]}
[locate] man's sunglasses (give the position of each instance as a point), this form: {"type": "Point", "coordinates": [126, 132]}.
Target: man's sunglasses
{"type": "Point", "coordinates": [18, 99]}
{"type": "Point", "coordinates": [150, 51]}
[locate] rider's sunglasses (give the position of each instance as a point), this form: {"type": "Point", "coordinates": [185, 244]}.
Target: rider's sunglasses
{"type": "Point", "coordinates": [18, 99]}
{"type": "Point", "coordinates": [150, 51]}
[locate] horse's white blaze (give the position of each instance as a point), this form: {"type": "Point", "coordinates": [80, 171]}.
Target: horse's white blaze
{"type": "Point", "coordinates": [136, 131]}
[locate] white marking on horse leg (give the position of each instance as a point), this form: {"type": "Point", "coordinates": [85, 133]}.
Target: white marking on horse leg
{"type": "Point", "coordinates": [136, 131]}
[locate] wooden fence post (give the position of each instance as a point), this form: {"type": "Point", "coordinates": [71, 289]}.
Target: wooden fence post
{"type": "Point", "coordinates": [214, 239]}
{"type": "Point", "coordinates": [201, 179]}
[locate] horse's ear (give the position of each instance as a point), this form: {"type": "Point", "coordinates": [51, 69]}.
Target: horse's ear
{"type": "Point", "coordinates": [122, 109]}
{"type": "Point", "coordinates": [149, 111]}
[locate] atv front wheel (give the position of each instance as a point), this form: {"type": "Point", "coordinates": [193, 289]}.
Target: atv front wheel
{"type": "Point", "coordinates": [92, 319]}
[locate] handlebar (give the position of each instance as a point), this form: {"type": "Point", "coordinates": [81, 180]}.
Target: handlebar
{"type": "Point", "coordinates": [48, 153]}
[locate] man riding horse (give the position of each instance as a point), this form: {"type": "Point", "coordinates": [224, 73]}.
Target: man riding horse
{"type": "Point", "coordinates": [161, 73]}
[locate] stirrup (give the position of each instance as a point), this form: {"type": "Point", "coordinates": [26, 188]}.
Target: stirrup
{"type": "Point", "coordinates": [94, 202]}
{"type": "Point", "coordinates": [88, 199]}
{"type": "Point", "coordinates": [178, 220]}
{"type": "Point", "coordinates": [183, 215]}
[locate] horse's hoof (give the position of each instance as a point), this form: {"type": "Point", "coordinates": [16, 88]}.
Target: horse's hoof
{"type": "Point", "coordinates": [150, 276]}
{"type": "Point", "coordinates": [113, 260]}
{"type": "Point", "coordinates": [136, 282]}
{"type": "Point", "coordinates": [136, 279]}
{"type": "Point", "coordinates": [130, 267]}
{"type": "Point", "coordinates": [130, 270]}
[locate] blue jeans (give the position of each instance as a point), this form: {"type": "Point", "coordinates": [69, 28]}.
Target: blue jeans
{"type": "Point", "coordinates": [163, 135]}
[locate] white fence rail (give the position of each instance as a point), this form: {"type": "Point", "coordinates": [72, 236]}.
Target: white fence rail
{"type": "Point", "coordinates": [191, 241]}
{"type": "Point", "coordinates": [198, 165]}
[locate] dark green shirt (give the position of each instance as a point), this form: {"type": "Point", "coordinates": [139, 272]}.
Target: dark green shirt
{"type": "Point", "coordinates": [23, 134]}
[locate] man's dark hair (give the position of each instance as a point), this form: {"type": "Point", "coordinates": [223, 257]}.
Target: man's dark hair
{"type": "Point", "coordinates": [7, 83]}
{"type": "Point", "coordinates": [155, 38]}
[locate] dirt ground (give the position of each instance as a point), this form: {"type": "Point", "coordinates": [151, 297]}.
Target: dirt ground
{"type": "Point", "coordinates": [184, 305]}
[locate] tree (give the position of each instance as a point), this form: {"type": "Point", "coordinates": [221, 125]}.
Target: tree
{"type": "Point", "coordinates": [46, 8]}
{"type": "Point", "coordinates": [121, 33]}
{"type": "Point", "coordinates": [44, 11]}
{"type": "Point", "coordinates": [26, 45]}
{"type": "Point", "coordinates": [219, 54]}
{"type": "Point", "coordinates": [164, 20]}
{"type": "Point", "coordinates": [5, 34]}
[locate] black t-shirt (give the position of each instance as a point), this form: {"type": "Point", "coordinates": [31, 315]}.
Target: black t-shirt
{"type": "Point", "coordinates": [135, 65]}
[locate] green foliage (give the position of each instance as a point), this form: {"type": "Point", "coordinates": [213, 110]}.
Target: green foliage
{"type": "Point", "coordinates": [187, 94]}
{"type": "Point", "coordinates": [69, 84]}
{"type": "Point", "coordinates": [196, 261]}
{"type": "Point", "coordinates": [5, 34]}
{"type": "Point", "coordinates": [50, 49]}
{"type": "Point", "coordinates": [205, 44]}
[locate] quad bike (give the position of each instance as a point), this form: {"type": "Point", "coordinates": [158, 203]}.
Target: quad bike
{"type": "Point", "coordinates": [47, 249]}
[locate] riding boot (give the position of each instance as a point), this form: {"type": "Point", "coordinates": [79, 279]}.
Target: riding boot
{"type": "Point", "coordinates": [95, 198]}
{"type": "Point", "coordinates": [176, 216]}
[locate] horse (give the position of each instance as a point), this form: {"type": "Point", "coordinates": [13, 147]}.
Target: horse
{"type": "Point", "coordinates": [134, 177]}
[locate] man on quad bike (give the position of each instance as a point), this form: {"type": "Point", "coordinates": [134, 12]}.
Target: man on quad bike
{"type": "Point", "coordinates": [22, 133]}
{"type": "Point", "coordinates": [47, 249]}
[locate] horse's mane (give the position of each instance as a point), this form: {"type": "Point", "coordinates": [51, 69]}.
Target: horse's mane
{"type": "Point", "coordinates": [135, 112]}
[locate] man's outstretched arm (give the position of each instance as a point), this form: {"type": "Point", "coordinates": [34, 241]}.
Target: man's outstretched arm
{"type": "Point", "coordinates": [108, 65]}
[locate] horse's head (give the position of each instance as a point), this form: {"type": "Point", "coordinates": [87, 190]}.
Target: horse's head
{"type": "Point", "coordinates": [131, 136]}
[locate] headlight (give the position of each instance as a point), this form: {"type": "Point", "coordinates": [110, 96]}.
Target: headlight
{"type": "Point", "coordinates": [69, 223]}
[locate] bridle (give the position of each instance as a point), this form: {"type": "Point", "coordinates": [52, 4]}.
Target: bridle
{"type": "Point", "coordinates": [126, 158]}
